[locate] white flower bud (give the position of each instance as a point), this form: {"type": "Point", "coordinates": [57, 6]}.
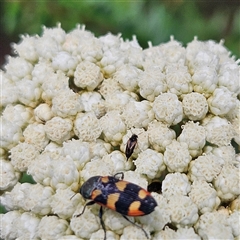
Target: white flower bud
{"type": "Point", "coordinates": [64, 61]}
{"type": "Point", "coordinates": [100, 234]}
{"type": "Point", "coordinates": [204, 80]}
{"type": "Point", "coordinates": [132, 232]}
{"type": "Point", "coordinates": [118, 100]}
{"type": "Point", "coordinates": [204, 196]}
{"type": "Point", "coordinates": [54, 83]}
{"type": "Point", "coordinates": [87, 127]}
{"type": "Point", "coordinates": [194, 136]}
{"type": "Point", "coordinates": [79, 151]}
{"type": "Point", "coordinates": [9, 222]}
{"type": "Point", "coordinates": [9, 177]}
{"type": "Point", "coordinates": [64, 202]}
{"type": "Point", "coordinates": [219, 131]}
{"type": "Point", "coordinates": [29, 92]}
{"type": "Point", "coordinates": [10, 134]}
{"type": "Point", "coordinates": [41, 169]}
{"type": "Point", "coordinates": [128, 77]}
{"type": "Point", "coordinates": [43, 71]}
{"type": "Point", "coordinates": [18, 68]}
{"type": "Point", "coordinates": [229, 76]}
{"type": "Point", "coordinates": [43, 113]}
{"type": "Point", "coordinates": [99, 149]}
{"type": "Point", "coordinates": [227, 183]}
{"type": "Point", "coordinates": [59, 129]}
{"type": "Point", "coordinates": [137, 114]}
{"type": "Point", "coordinates": [183, 211]}
{"type": "Point", "coordinates": [91, 50]}
{"type": "Point", "coordinates": [177, 157]}
{"type": "Point", "coordinates": [178, 78]}
{"type": "Point", "coordinates": [221, 102]}
{"type": "Point", "coordinates": [213, 225]}
{"type": "Point", "coordinates": [27, 226]}
{"type": "Point", "coordinates": [29, 197]}
{"type": "Point", "coordinates": [205, 167]}
{"type": "Point", "coordinates": [113, 222]}
{"type": "Point", "coordinates": [84, 225]}
{"type": "Point", "coordinates": [87, 75]}
{"type": "Point", "coordinates": [109, 87]}
{"type": "Point", "coordinates": [26, 48]}
{"type": "Point", "coordinates": [233, 222]}
{"type": "Point", "coordinates": [152, 83]}
{"type": "Point", "coordinates": [56, 33]}
{"type": "Point", "coordinates": [195, 106]}
{"type": "Point", "coordinates": [173, 51]}
{"type": "Point", "coordinates": [117, 160]}
{"type": "Point", "coordinates": [175, 183]}
{"type": "Point", "coordinates": [92, 101]}
{"type": "Point", "coordinates": [112, 59]}
{"type": "Point", "coordinates": [65, 173]}
{"type": "Point", "coordinates": [18, 114]}
{"type": "Point", "coordinates": [47, 47]}
{"type": "Point", "coordinates": [113, 127]}
{"type": "Point", "coordinates": [22, 155]}
{"type": "Point", "coordinates": [168, 108]}
{"type": "Point", "coordinates": [160, 135]}
{"type": "Point", "coordinates": [52, 227]}
{"type": "Point", "coordinates": [35, 134]}
{"type": "Point", "coordinates": [150, 163]}
{"type": "Point", "coordinates": [10, 94]}
{"type": "Point", "coordinates": [66, 103]}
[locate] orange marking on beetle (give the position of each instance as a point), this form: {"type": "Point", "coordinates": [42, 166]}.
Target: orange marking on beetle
{"type": "Point", "coordinates": [121, 185]}
{"type": "Point", "coordinates": [142, 193]}
{"type": "Point", "coordinates": [105, 179]}
{"type": "Point", "coordinates": [95, 193]}
{"type": "Point", "coordinates": [134, 209]}
{"type": "Point", "coordinates": [111, 200]}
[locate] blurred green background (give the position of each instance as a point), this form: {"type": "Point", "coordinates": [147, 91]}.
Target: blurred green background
{"type": "Point", "coordinates": [149, 20]}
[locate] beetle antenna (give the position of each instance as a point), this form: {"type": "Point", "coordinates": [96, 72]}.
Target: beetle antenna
{"type": "Point", "coordinates": [88, 204]}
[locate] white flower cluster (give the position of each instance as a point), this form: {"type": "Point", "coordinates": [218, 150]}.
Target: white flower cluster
{"type": "Point", "coordinates": [71, 101]}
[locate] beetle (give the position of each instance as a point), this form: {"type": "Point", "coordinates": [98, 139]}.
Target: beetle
{"type": "Point", "coordinates": [124, 197]}
{"type": "Point", "coordinates": [131, 144]}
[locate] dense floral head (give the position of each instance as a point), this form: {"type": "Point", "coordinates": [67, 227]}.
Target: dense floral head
{"type": "Point", "coordinates": [71, 101]}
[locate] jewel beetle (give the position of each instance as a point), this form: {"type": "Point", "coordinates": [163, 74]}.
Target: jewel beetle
{"type": "Point", "coordinates": [124, 197]}
{"type": "Point", "coordinates": [131, 144]}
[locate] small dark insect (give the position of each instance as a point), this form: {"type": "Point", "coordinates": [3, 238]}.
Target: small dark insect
{"type": "Point", "coordinates": [131, 144]}
{"type": "Point", "coordinates": [121, 196]}
{"type": "Point", "coordinates": [155, 186]}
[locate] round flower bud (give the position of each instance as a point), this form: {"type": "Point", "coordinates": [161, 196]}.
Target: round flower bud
{"type": "Point", "coordinates": [59, 129]}
{"type": "Point", "coordinates": [9, 177]}
{"type": "Point", "coordinates": [195, 106]}
{"type": "Point", "coordinates": [22, 155]}
{"type": "Point", "coordinates": [87, 75]}
{"type": "Point", "coordinates": [168, 109]}
{"type": "Point", "coordinates": [87, 127]}
{"type": "Point", "coordinates": [177, 157]}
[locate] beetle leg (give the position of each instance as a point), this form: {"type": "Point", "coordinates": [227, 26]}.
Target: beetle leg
{"type": "Point", "coordinates": [136, 226]}
{"type": "Point", "coordinates": [102, 223]}
{"type": "Point", "coordinates": [87, 204]}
